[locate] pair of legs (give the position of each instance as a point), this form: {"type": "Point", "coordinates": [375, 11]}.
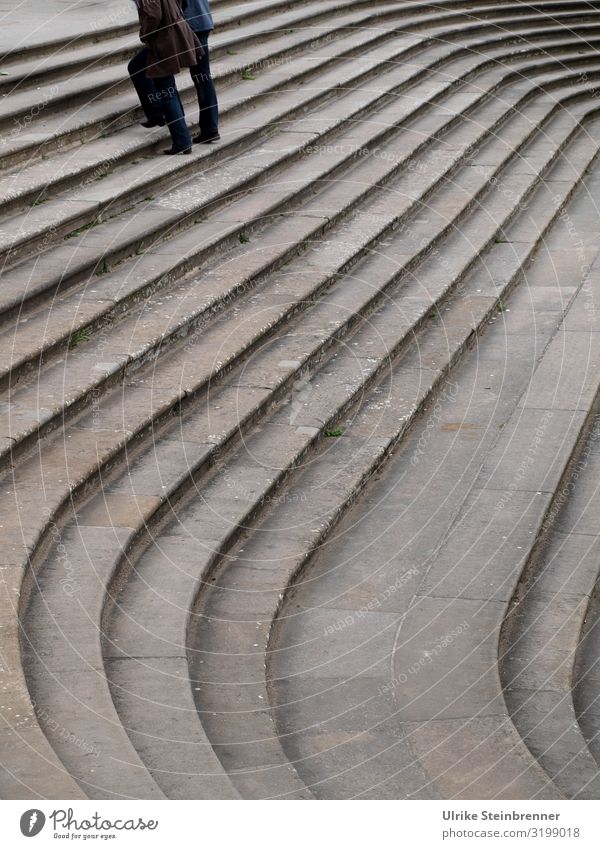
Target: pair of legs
{"type": "Point", "coordinates": [160, 100]}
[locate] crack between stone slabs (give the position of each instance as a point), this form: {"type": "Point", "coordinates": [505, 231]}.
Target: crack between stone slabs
{"type": "Point", "coordinates": [475, 716]}
{"type": "Point", "coordinates": [147, 657]}
{"type": "Point", "coordinates": [530, 491]}
{"type": "Point", "coordinates": [296, 132]}
{"type": "Point", "coordinates": [468, 598]}
{"type": "Point", "coordinates": [251, 386]}
{"type": "Point", "coordinates": [566, 693]}
{"type": "Point", "coordinates": [578, 534]}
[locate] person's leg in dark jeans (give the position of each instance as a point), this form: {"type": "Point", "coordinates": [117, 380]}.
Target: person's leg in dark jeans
{"type": "Point", "coordinates": [146, 89]}
{"type": "Point", "coordinates": [167, 97]}
{"type": "Point", "coordinates": [207, 95]}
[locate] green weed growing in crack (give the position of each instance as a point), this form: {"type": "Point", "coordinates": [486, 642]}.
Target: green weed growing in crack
{"type": "Point", "coordinates": [78, 338]}
{"type": "Point", "coordinates": [244, 238]}
{"type": "Point", "coordinates": [333, 433]}
{"type": "Point", "coordinates": [247, 74]}
{"type": "Point", "coordinates": [81, 230]}
{"type": "Point", "coordinates": [38, 201]}
{"type": "Point", "coordinates": [433, 314]}
{"type": "Point", "coordinates": [232, 52]}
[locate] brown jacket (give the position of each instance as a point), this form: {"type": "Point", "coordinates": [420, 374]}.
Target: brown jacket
{"type": "Point", "coordinates": [170, 40]}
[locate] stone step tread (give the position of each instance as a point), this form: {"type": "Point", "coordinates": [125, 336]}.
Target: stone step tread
{"type": "Point", "coordinates": [544, 632]}
{"type": "Point", "coordinates": [19, 71]}
{"type": "Point", "coordinates": [76, 645]}
{"type": "Point", "coordinates": [585, 680]}
{"type": "Point", "coordinates": [41, 659]}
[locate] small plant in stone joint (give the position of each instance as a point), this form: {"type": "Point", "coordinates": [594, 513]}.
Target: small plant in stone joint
{"type": "Point", "coordinates": [244, 238]}
{"type": "Point", "coordinates": [78, 338]}
{"type": "Point", "coordinates": [247, 74]}
{"type": "Point", "coordinates": [333, 433]}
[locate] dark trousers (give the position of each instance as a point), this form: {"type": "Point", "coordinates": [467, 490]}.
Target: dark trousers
{"type": "Point", "coordinates": [160, 99]}
{"type": "Point", "coordinates": [205, 89]}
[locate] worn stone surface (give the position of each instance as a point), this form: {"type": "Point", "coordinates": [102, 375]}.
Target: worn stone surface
{"type": "Point", "coordinates": [287, 426]}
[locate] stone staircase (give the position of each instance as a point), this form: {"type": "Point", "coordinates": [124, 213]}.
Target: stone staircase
{"type": "Point", "coordinates": [298, 441]}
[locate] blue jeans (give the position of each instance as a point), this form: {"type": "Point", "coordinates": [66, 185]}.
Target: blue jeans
{"type": "Point", "coordinates": [160, 99]}
{"type": "Point", "coordinates": [205, 89]}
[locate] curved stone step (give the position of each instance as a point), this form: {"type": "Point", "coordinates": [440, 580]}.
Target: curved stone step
{"type": "Point", "coordinates": [63, 655]}
{"type": "Point", "coordinates": [74, 32]}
